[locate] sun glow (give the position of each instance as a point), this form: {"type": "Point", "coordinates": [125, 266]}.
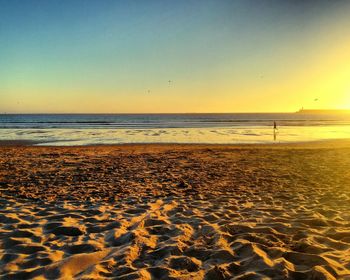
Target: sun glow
{"type": "Point", "coordinates": [216, 63]}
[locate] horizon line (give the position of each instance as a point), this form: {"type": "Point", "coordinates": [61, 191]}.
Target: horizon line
{"type": "Point", "coordinates": [172, 113]}
{"type": "Point", "coordinates": [147, 113]}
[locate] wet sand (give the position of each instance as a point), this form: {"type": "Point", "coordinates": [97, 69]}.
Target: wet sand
{"type": "Point", "coordinates": [175, 212]}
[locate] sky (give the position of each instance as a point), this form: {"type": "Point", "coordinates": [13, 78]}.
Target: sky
{"type": "Point", "coordinates": [84, 56]}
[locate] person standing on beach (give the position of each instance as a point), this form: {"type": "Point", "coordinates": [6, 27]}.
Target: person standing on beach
{"type": "Point", "coordinates": [275, 131]}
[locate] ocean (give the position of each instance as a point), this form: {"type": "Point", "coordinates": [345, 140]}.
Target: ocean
{"type": "Point", "coordinates": [91, 129]}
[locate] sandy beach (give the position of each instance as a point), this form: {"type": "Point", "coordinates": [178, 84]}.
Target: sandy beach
{"type": "Point", "coordinates": [175, 211]}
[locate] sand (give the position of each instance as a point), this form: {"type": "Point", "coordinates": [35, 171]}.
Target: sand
{"type": "Point", "coordinates": [175, 212]}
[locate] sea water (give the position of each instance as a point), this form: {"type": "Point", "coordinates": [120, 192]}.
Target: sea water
{"type": "Point", "coordinates": [90, 129]}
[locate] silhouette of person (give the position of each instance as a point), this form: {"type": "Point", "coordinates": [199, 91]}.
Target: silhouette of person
{"type": "Point", "coordinates": [275, 131]}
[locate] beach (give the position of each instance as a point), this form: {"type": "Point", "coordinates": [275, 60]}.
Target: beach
{"type": "Point", "coordinates": [162, 211]}
{"type": "Point", "coordinates": [210, 128]}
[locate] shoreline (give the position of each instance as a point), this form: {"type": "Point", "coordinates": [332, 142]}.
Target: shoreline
{"type": "Point", "coordinates": [332, 143]}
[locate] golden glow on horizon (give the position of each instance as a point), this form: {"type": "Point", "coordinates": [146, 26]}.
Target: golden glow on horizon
{"type": "Point", "coordinates": [235, 56]}
{"type": "Point", "coordinates": [322, 82]}
{"type": "Point", "coordinates": [325, 85]}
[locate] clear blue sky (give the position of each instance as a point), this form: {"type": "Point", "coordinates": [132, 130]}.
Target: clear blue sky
{"type": "Point", "coordinates": [221, 56]}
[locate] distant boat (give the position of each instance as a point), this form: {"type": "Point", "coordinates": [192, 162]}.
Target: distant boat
{"type": "Point", "coordinates": [322, 111]}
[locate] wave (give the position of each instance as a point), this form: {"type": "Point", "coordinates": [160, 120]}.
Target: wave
{"type": "Point", "coordinates": [166, 121]}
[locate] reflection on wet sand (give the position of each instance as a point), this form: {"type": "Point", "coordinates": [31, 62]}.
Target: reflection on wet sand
{"type": "Point", "coordinates": [224, 135]}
